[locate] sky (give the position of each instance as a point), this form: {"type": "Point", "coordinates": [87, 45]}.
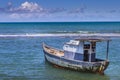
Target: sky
{"type": "Point", "coordinates": [59, 10]}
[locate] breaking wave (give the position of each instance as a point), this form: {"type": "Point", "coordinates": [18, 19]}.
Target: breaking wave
{"type": "Point", "coordinates": [80, 32]}
{"type": "Point", "coordinates": [61, 35]}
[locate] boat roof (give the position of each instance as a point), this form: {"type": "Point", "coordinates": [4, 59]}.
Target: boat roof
{"type": "Point", "coordinates": [73, 42]}
{"type": "Point", "coordinates": [93, 39]}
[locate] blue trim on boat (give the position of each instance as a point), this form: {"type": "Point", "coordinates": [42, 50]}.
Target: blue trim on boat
{"type": "Point", "coordinates": [73, 61]}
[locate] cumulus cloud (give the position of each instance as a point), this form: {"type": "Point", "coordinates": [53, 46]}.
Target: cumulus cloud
{"type": "Point", "coordinates": [27, 7]}
{"type": "Point", "coordinates": [30, 6]}
{"type": "Point", "coordinates": [26, 10]}
{"type": "Point", "coordinates": [30, 9]}
{"type": "Point", "coordinates": [27, 15]}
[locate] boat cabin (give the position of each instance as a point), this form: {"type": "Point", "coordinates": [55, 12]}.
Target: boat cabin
{"type": "Point", "coordinates": [82, 49]}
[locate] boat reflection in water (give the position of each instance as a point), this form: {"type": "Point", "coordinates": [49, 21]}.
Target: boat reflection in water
{"type": "Point", "coordinates": [78, 54]}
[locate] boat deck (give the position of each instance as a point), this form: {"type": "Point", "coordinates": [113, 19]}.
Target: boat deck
{"type": "Point", "coordinates": [54, 51]}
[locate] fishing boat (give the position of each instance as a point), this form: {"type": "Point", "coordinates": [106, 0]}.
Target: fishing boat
{"type": "Point", "coordinates": [78, 54]}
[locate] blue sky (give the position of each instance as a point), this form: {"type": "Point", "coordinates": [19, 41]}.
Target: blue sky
{"type": "Point", "coordinates": [59, 10]}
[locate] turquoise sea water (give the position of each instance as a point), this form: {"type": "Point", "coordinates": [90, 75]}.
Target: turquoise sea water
{"type": "Point", "coordinates": [22, 58]}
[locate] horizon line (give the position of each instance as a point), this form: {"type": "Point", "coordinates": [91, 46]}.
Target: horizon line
{"type": "Point", "coordinates": [57, 21]}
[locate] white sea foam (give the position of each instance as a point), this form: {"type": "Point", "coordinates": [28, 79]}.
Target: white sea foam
{"type": "Point", "coordinates": [117, 35]}
{"type": "Point", "coordinates": [81, 32]}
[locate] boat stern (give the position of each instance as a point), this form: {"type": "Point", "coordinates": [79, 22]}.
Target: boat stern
{"type": "Point", "coordinates": [103, 66]}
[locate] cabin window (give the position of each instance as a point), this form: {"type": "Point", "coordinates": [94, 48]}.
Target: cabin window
{"type": "Point", "coordinates": [93, 47]}
{"type": "Point", "coordinates": [86, 46]}
{"type": "Point", "coordinates": [86, 55]}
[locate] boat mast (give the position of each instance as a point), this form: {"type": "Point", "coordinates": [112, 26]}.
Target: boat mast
{"type": "Point", "coordinates": [107, 50]}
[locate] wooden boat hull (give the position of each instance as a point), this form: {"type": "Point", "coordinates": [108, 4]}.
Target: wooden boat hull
{"type": "Point", "coordinates": [96, 67]}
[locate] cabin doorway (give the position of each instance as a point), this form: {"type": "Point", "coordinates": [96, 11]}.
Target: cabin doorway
{"type": "Point", "coordinates": [86, 55]}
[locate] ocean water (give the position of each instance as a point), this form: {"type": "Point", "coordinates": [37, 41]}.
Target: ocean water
{"type": "Point", "coordinates": [22, 58]}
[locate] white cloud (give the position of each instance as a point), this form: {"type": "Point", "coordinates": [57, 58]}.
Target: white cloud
{"type": "Point", "coordinates": [30, 6]}
{"type": "Point", "coordinates": [19, 16]}
{"type": "Point", "coordinates": [31, 10]}
{"type": "Point", "coordinates": [28, 15]}
{"type": "Point", "coordinates": [27, 7]}
{"type": "Point", "coordinates": [26, 10]}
